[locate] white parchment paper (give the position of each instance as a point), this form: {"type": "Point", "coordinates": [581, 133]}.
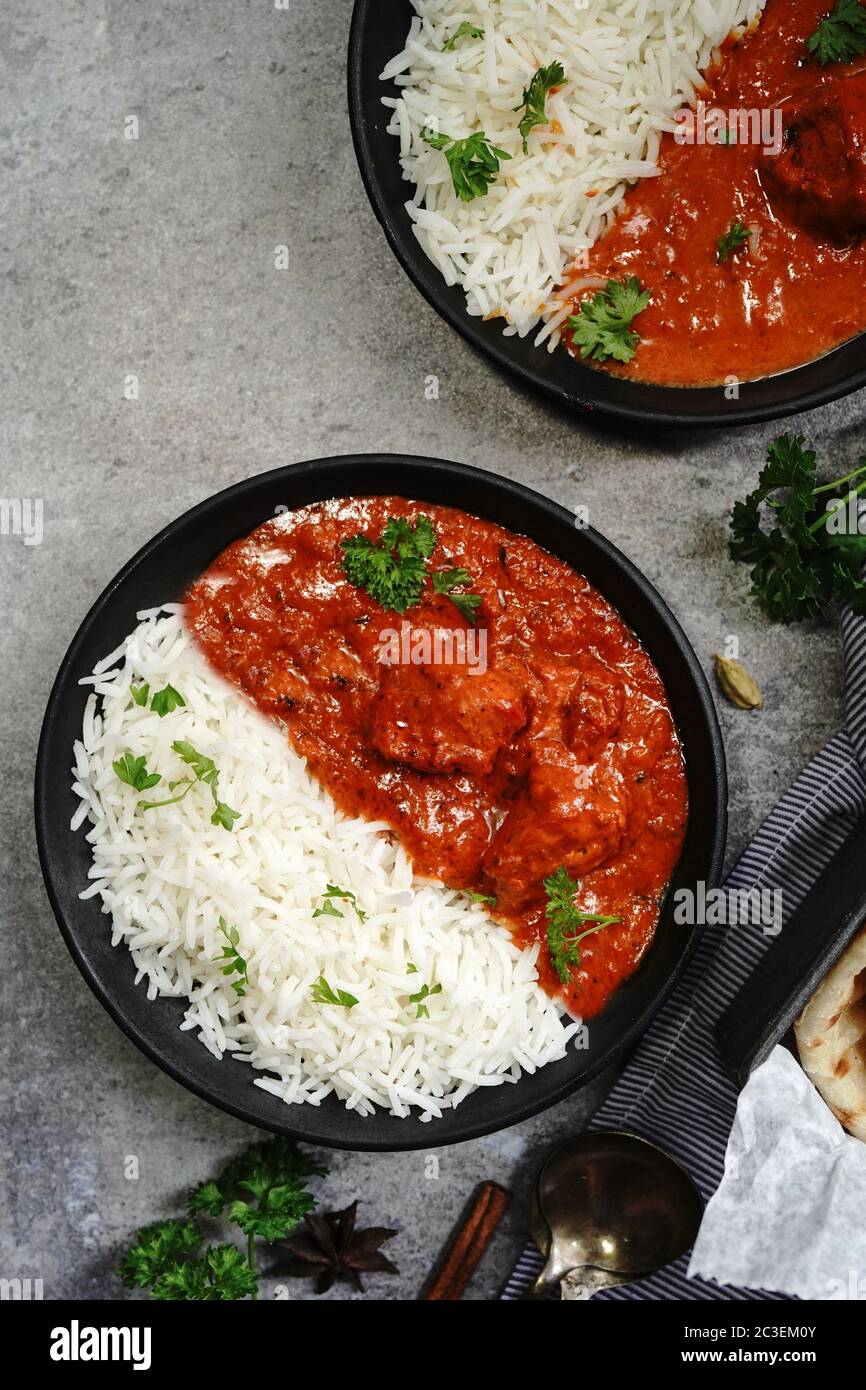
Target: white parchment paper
{"type": "Point", "coordinates": [790, 1213]}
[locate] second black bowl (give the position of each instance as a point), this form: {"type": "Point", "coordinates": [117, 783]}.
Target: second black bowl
{"type": "Point", "coordinates": [376, 36]}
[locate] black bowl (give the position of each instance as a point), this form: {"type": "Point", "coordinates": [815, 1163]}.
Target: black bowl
{"type": "Point", "coordinates": [376, 36]}
{"type": "Point", "coordinates": [160, 572]}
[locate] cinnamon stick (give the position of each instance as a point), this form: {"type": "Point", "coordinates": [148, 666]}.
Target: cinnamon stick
{"type": "Point", "coordinates": [468, 1243]}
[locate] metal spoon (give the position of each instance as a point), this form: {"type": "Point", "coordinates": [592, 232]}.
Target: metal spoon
{"type": "Point", "coordinates": [612, 1207]}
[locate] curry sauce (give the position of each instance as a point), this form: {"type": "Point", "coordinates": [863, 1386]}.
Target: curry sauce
{"type": "Point", "coordinates": [557, 749]}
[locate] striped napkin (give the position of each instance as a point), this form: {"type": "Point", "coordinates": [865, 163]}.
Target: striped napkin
{"type": "Point", "coordinates": [673, 1090]}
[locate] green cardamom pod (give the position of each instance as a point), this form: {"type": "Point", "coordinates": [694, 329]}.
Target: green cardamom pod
{"type": "Point", "coordinates": [737, 685]}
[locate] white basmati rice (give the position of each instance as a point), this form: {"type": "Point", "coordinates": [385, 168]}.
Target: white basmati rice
{"type": "Point", "coordinates": [166, 877]}
{"type": "Point", "coordinates": [629, 66]}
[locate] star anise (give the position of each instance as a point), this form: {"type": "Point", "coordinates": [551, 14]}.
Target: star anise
{"type": "Point", "coordinates": [331, 1248]}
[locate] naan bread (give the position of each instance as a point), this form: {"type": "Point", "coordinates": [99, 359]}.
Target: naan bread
{"type": "Point", "coordinates": [831, 1037]}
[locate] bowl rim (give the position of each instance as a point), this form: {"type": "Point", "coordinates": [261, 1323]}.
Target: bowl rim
{"type": "Point", "coordinates": [414, 262]}
{"type": "Point", "coordinates": [413, 466]}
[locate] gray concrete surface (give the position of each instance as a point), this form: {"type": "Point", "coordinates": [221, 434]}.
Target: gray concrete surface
{"type": "Point", "coordinates": [155, 258]}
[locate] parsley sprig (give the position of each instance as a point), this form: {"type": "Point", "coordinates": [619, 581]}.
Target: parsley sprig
{"type": "Point", "coordinates": [329, 903]}
{"type": "Point", "coordinates": [474, 161]}
{"type": "Point", "coordinates": [393, 569]}
{"type": "Point", "coordinates": [564, 923]}
{"type": "Point", "coordinates": [800, 561]}
{"type": "Point", "coordinates": [841, 36]}
{"type": "Point", "coordinates": [466, 30]}
{"type": "Point", "coordinates": [164, 701]}
{"type": "Point", "coordinates": [204, 770]}
{"type": "Point", "coordinates": [446, 581]}
{"type": "Point", "coordinates": [133, 771]}
{"type": "Point", "coordinates": [534, 97]}
{"type": "Point", "coordinates": [322, 993]}
{"type": "Point", "coordinates": [425, 992]}
{"type": "Point", "coordinates": [733, 240]}
{"type": "Point", "coordinates": [263, 1192]}
{"type": "Point", "coordinates": [603, 327]}
{"type": "Point", "coordinates": [236, 964]}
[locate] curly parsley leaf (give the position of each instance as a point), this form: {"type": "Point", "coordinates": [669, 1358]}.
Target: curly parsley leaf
{"type": "Point", "coordinates": [329, 904]}
{"type": "Point", "coordinates": [206, 1200]}
{"type": "Point", "coordinates": [446, 581]}
{"type": "Point", "coordinates": [474, 162]}
{"type": "Point", "coordinates": [603, 327]}
{"type": "Point", "coordinates": [322, 993]}
{"type": "Point", "coordinates": [841, 36]}
{"type": "Point", "coordinates": [222, 1274]}
{"type": "Point", "coordinates": [466, 30]}
{"type": "Point", "coordinates": [734, 239]}
{"type": "Point", "coordinates": [164, 701]}
{"type": "Point", "coordinates": [154, 1249]}
{"type": "Point", "coordinates": [393, 569]}
{"type": "Point", "coordinates": [263, 1191]}
{"type": "Point", "coordinates": [789, 531]}
{"type": "Point", "coordinates": [534, 98]}
{"type": "Point", "coordinates": [565, 923]}
{"type": "Point", "coordinates": [133, 771]}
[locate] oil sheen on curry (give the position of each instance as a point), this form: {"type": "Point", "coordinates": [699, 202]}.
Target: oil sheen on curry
{"type": "Point", "coordinates": [796, 286]}
{"type": "Point", "coordinates": [503, 739]}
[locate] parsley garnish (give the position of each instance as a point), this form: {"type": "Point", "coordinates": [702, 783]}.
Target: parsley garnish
{"type": "Point", "coordinates": [134, 772]}
{"type": "Point", "coordinates": [733, 240]}
{"type": "Point", "coordinates": [603, 327]}
{"type": "Point", "coordinates": [840, 37]}
{"type": "Point", "coordinates": [563, 917]}
{"type": "Point", "coordinates": [445, 581]}
{"type": "Point", "coordinates": [799, 565]}
{"type": "Point", "coordinates": [329, 907]}
{"type": "Point", "coordinates": [534, 97]}
{"type": "Point", "coordinates": [205, 770]}
{"type": "Point", "coordinates": [263, 1192]}
{"type": "Point", "coordinates": [139, 693]}
{"type": "Point", "coordinates": [222, 1273]}
{"type": "Point", "coordinates": [463, 31]}
{"type": "Point", "coordinates": [164, 701]}
{"type": "Point", "coordinates": [323, 994]}
{"type": "Point", "coordinates": [236, 963]}
{"type": "Point", "coordinates": [425, 992]}
{"type": "Point", "coordinates": [474, 162]}
{"type": "Point", "coordinates": [478, 897]}
{"type": "Point", "coordinates": [393, 570]}
{"type": "Point", "coordinates": [157, 1247]}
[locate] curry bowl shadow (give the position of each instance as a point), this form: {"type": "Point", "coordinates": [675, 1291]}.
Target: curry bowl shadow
{"type": "Point", "coordinates": [376, 35]}
{"type": "Point", "coordinates": [161, 572]}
